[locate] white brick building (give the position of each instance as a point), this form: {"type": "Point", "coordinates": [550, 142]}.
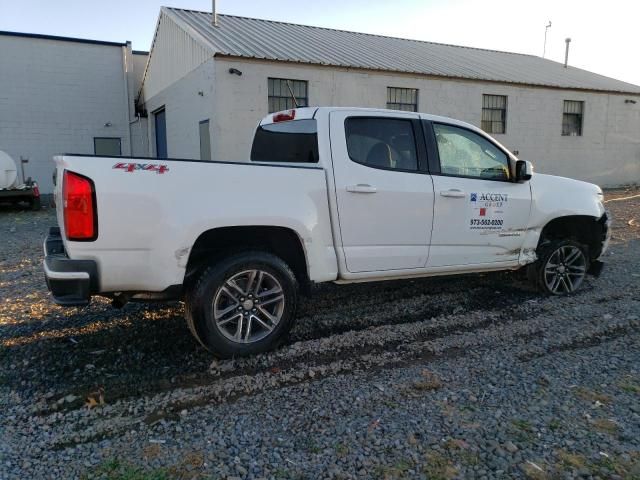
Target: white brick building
{"type": "Point", "coordinates": [205, 87]}
{"type": "Point", "coordinates": [566, 120]}
{"type": "Point", "coordinates": [62, 95]}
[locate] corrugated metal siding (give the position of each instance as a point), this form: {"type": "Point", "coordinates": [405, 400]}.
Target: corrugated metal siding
{"type": "Point", "coordinates": [265, 39]}
{"type": "Point", "coordinates": [174, 53]}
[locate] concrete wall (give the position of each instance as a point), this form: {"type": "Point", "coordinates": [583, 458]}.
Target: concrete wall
{"type": "Point", "coordinates": [56, 96]}
{"type": "Point", "coordinates": [608, 153]}
{"type": "Point", "coordinates": [174, 53]}
{"type": "Point", "coordinates": [186, 102]}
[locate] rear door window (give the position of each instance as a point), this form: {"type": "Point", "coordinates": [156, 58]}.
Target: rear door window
{"type": "Point", "coordinates": [387, 143]}
{"type": "Point", "coordinates": [295, 141]}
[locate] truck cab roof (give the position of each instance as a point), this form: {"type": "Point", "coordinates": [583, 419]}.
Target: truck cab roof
{"type": "Point", "coordinates": [306, 113]}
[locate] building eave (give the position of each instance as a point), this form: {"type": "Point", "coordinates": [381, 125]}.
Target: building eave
{"type": "Point", "coordinates": [423, 75]}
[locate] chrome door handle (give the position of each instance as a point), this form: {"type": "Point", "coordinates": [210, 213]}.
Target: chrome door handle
{"type": "Point", "coordinates": [361, 188]}
{"type": "Point", "coordinates": [454, 193]}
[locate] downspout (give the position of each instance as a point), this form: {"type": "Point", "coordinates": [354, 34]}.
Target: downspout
{"type": "Point", "coordinates": [127, 78]}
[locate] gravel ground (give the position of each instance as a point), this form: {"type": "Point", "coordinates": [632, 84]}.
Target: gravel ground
{"type": "Point", "coordinates": [405, 379]}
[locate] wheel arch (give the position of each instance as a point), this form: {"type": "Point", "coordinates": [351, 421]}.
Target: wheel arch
{"type": "Point", "coordinates": [219, 242]}
{"type": "Point", "coordinates": [585, 229]}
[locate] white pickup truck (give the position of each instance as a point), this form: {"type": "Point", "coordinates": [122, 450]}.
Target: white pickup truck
{"type": "Point", "coordinates": [329, 195]}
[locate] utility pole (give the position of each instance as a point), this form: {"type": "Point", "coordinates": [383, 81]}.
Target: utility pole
{"type": "Point", "coordinates": [544, 48]}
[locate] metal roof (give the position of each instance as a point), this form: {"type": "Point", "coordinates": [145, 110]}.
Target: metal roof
{"type": "Point", "coordinates": [272, 40]}
{"type": "Point", "coordinates": [62, 39]}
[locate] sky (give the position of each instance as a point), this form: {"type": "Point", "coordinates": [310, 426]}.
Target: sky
{"type": "Point", "coordinates": [605, 35]}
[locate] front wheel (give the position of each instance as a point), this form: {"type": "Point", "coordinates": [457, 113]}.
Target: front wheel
{"type": "Point", "coordinates": [561, 267]}
{"type": "Point", "coordinates": [243, 305]}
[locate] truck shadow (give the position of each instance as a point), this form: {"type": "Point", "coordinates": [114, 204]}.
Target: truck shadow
{"type": "Point", "coordinates": [145, 348]}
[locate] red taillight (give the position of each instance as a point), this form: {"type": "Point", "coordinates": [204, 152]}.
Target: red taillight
{"type": "Point", "coordinates": [80, 222]}
{"type": "Point", "coordinates": [284, 116]}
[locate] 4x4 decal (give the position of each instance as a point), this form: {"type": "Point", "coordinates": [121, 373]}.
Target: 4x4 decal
{"type": "Point", "coordinates": [149, 167]}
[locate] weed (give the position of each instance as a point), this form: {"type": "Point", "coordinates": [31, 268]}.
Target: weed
{"type": "Point", "coordinates": [439, 467]}
{"type": "Point", "coordinates": [398, 471]}
{"type": "Point", "coordinates": [571, 459]}
{"type": "Point", "coordinates": [605, 425]}
{"type": "Point", "coordinates": [523, 425]}
{"type": "Point", "coordinates": [591, 396]}
{"type": "Point", "coordinates": [533, 471]}
{"type": "Point", "coordinates": [115, 470]}
{"type": "Point", "coordinates": [429, 381]}
{"type": "Point", "coordinates": [555, 425]}
{"type": "Point", "coordinates": [341, 450]}
{"type": "Point", "coordinates": [628, 385]}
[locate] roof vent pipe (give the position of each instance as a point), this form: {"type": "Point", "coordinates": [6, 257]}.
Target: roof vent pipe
{"type": "Point", "coordinates": [214, 19]}
{"type": "Point", "coordinates": [566, 52]}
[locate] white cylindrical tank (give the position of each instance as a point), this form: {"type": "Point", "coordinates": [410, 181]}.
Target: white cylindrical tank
{"type": "Point", "coordinates": [8, 171]}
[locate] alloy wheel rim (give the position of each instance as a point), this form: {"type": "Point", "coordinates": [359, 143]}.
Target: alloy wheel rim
{"type": "Point", "coordinates": [248, 306]}
{"type": "Point", "coordinates": [565, 270]}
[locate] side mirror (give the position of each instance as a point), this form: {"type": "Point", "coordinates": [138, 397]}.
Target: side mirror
{"type": "Point", "coordinates": [524, 170]}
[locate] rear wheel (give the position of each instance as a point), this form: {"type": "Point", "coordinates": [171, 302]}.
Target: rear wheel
{"type": "Point", "coordinates": [561, 267]}
{"type": "Point", "coordinates": [242, 305]}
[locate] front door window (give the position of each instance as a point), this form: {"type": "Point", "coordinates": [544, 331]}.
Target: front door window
{"type": "Point", "coordinates": [467, 154]}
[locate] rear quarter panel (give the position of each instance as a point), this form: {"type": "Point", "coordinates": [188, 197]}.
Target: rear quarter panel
{"type": "Point", "coordinates": [148, 221]}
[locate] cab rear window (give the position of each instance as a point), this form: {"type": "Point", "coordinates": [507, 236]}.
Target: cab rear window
{"type": "Point", "coordinates": [294, 142]}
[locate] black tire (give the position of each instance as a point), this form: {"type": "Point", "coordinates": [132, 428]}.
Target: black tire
{"type": "Point", "coordinates": [572, 276]}
{"type": "Point", "coordinates": [199, 304]}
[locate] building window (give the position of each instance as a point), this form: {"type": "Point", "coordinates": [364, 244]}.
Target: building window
{"type": "Point", "coordinates": [494, 113]}
{"type": "Point", "coordinates": [205, 140]}
{"type": "Point", "coordinates": [572, 118]}
{"type": "Point", "coordinates": [402, 99]}
{"type": "Point", "coordinates": [107, 146]}
{"type": "Point", "coordinates": [282, 91]}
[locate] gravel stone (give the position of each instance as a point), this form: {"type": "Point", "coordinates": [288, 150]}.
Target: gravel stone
{"type": "Point", "coordinates": [474, 376]}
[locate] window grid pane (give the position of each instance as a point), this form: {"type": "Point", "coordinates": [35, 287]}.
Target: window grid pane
{"type": "Point", "coordinates": [494, 113]}
{"type": "Point", "coordinates": [279, 95]}
{"type": "Point", "coordinates": [402, 99]}
{"type": "Point", "coordinates": [572, 118]}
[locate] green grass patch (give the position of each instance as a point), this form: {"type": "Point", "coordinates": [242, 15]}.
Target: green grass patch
{"type": "Point", "coordinates": [439, 467]}
{"type": "Point", "coordinates": [114, 469]}
{"type": "Point", "coordinates": [630, 386]}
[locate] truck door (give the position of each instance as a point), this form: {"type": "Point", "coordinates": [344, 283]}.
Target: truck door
{"type": "Point", "coordinates": [480, 214]}
{"type": "Point", "coordinates": [384, 199]}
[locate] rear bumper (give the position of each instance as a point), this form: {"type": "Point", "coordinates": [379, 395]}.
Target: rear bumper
{"type": "Point", "coordinates": [71, 282]}
{"type": "Point", "coordinates": [24, 193]}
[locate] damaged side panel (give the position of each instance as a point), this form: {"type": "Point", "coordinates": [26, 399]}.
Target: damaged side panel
{"type": "Point", "coordinates": [182, 255]}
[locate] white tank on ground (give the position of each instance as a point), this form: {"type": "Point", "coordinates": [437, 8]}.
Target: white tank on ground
{"type": "Point", "coordinates": [8, 171]}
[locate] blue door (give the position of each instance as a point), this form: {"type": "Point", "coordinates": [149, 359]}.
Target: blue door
{"type": "Point", "coordinates": [161, 134]}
